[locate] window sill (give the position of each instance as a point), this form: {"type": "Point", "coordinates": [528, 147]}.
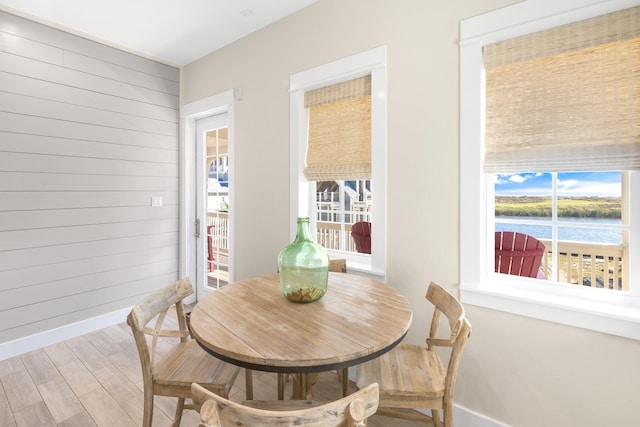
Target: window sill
{"type": "Point", "coordinates": [359, 264]}
{"type": "Point", "coordinates": [618, 315]}
{"type": "Point", "coordinates": [363, 270]}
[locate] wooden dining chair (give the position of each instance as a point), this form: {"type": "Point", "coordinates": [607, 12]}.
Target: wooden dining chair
{"type": "Point", "coordinates": [338, 265]}
{"type": "Point", "coordinates": [518, 254]}
{"type": "Point", "coordinates": [184, 363]}
{"type": "Point", "coordinates": [414, 377]}
{"type": "Point", "coordinates": [350, 411]}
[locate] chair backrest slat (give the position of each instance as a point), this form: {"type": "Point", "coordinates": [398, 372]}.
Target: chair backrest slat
{"type": "Point", "coordinates": [161, 300]}
{"type": "Point", "coordinates": [518, 254]}
{"type": "Point", "coordinates": [338, 265]}
{"type": "Point", "coordinates": [448, 305]}
{"type": "Point", "coordinates": [350, 411]}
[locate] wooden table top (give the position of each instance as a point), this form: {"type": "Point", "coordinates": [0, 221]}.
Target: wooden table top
{"type": "Point", "coordinates": [251, 324]}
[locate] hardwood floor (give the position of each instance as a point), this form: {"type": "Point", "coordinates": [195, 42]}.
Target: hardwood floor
{"type": "Point", "coordinates": [95, 380]}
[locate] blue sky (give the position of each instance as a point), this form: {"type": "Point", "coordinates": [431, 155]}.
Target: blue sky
{"type": "Point", "coordinates": [569, 184]}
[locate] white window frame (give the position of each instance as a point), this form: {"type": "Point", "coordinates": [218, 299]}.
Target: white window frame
{"type": "Point", "coordinates": [302, 192]}
{"type": "Point", "coordinates": [616, 313]}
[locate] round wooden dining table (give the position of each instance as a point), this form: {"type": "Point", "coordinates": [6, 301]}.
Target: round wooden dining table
{"type": "Point", "coordinates": [250, 323]}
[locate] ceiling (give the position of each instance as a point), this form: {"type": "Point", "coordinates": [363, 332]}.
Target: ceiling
{"type": "Point", "coordinates": [176, 32]}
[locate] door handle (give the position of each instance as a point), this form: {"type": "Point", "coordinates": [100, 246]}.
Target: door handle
{"type": "Point", "coordinates": [197, 233]}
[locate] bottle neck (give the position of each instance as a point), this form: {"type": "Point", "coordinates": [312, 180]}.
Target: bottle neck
{"type": "Point", "coordinates": [303, 231]}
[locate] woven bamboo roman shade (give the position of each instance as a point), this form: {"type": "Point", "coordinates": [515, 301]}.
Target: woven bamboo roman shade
{"type": "Point", "coordinates": [565, 99]}
{"type": "Point", "coordinates": [339, 131]}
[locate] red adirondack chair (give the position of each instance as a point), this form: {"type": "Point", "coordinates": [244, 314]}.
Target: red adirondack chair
{"type": "Point", "coordinates": [361, 233]}
{"type": "Point", "coordinates": [518, 254]}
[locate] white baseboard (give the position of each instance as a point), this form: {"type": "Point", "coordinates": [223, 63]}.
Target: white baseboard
{"type": "Point", "coordinates": [42, 339]}
{"type": "Point", "coordinates": [462, 416]}
{"type": "Point", "coordinates": [467, 418]}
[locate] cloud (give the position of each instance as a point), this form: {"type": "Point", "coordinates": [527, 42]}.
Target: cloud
{"type": "Point", "coordinates": [518, 178]}
{"type": "Point", "coordinates": [506, 178]}
{"type": "Point", "coordinates": [499, 179]}
{"type": "Point", "coordinates": [589, 188]}
{"type": "Point", "coordinates": [567, 184]}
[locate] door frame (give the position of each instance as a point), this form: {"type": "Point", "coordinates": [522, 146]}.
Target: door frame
{"type": "Point", "coordinates": [204, 126]}
{"type": "Point", "coordinates": [189, 114]}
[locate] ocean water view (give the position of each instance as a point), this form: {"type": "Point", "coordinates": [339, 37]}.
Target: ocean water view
{"type": "Point", "coordinates": [578, 234]}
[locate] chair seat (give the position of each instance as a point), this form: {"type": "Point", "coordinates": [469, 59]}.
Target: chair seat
{"type": "Point", "coordinates": [187, 363]}
{"type": "Point", "coordinates": [408, 376]}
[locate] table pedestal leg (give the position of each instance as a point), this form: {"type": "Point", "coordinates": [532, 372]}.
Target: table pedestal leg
{"type": "Point", "coordinates": [303, 386]}
{"type": "Point", "coordinates": [282, 378]}
{"type": "Point", "coordinates": [248, 383]}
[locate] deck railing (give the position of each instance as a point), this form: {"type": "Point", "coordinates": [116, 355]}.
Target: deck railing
{"type": "Point", "coordinates": [331, 234]}
{"type": "Point", "coordinates": [218, 243]}
{"type": "Point", "coordinates": [589, 264]}
{"type": "Point", "coordinates": [220, 231]}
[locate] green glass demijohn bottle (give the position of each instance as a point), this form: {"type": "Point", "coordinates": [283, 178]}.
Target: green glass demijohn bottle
{"type": "Point", "coordinates": [303, 267]}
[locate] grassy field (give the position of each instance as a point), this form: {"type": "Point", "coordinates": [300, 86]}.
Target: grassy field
{"type": "Point", "coordinates": [568, 207]}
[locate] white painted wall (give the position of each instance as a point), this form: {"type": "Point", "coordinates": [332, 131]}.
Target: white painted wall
{"type": "Point", "coordinates": [516, 370]}
{"type": "Point", "coordinates": [88, 134]}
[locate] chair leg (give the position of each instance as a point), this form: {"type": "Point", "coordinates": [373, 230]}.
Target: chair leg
{"type": "Point", "coordinates": [248, 382]}
{"type": "Point", "coordinates": [179, 409]}
{"type": "Point", "coordinates": [447, 414]}
{"type": "Point", "coordinates": [435, 416]}
{"type": "Point", "coordinates": [147, 416]}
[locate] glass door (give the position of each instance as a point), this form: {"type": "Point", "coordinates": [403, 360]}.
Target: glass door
{"type": "Point", "coordinates": [213, 204]}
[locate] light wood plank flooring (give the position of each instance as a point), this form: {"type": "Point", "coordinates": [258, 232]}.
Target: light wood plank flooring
{"type": "Point", "coordinates": [95, 380]}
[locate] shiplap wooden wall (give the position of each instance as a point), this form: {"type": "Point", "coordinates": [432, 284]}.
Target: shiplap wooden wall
{"type": "Point", "coordinates": [88, 134]}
